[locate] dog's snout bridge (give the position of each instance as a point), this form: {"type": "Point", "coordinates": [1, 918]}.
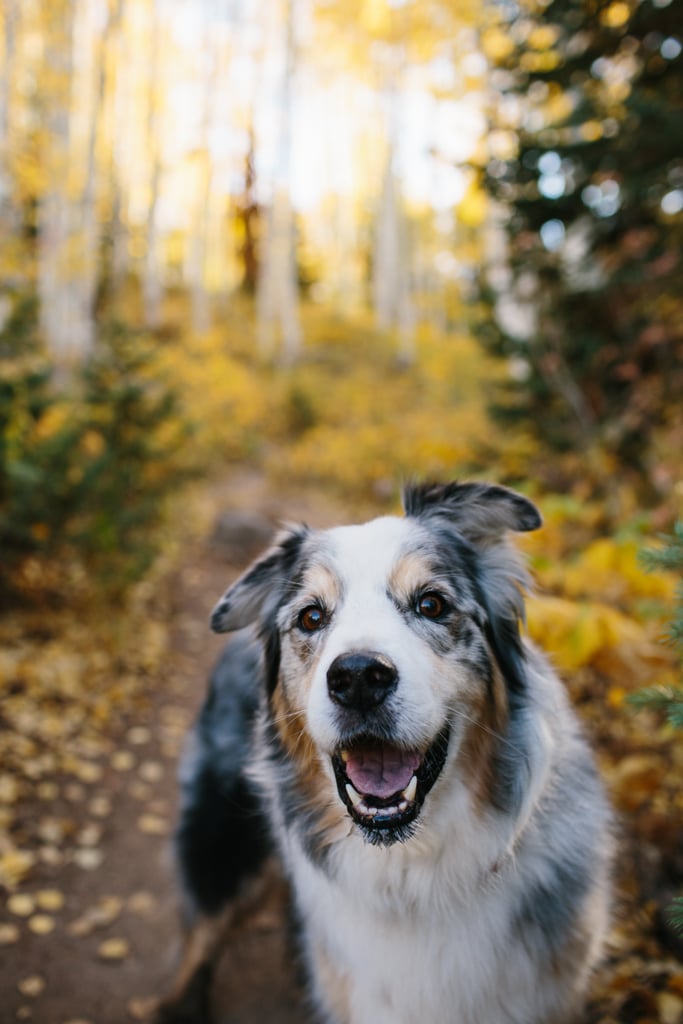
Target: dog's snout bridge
{"type": "Point", "coordinates": [361, 680]}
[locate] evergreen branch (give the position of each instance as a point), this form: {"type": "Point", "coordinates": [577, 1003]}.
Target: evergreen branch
{"type": "Point", "coordinates": [675, 913]}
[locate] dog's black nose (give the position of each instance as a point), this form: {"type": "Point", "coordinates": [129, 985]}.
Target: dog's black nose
{"type": "Point", "coordinates": [361, 680]}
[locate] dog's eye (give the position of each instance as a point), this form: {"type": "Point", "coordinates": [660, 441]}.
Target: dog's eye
{"type": "Point", "coordinates": [311, 618]}
{"type": "Point", "coordinates": [430, 605]}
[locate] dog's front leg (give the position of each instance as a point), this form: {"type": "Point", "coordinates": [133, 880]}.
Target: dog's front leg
{"type": "Point", "coordinates": [189, 1000]}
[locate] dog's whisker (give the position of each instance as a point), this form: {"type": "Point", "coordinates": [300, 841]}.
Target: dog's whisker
{"type": "Point", "coordinates": [487, 729]}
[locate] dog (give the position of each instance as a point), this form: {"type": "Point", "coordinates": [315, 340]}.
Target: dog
{"type": "Point", "coordinates": [381, 721]}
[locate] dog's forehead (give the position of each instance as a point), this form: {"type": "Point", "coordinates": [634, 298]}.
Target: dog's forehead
{"type": "Point", "coordinates": [371, 550]}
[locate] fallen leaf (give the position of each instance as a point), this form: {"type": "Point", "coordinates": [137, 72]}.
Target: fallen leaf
{"type": "Point", "coordinates": [10, 789]}
{"type": "Point", "coordinates": [151, 771]}
{"type": "Point", "coordinates": [48, 791]}
{"type": "Point", "coordinates": [9, 933]}
{"type": "Point", "coordinates": [123, 761]}
{"type": "Point", "coordinates": [88, 858]}
{"type": "Point", "coordinates": [143, 1008]}
{"type": "Point", "coordinates": [41, 924]}
{"type": "Point", "coordinates": [101, 806]}
{"type": "Point", "coordinates": [89, 835]}
{"type": "Point", "coordinates": [105, 911]}
{"type": "Point", "coordinates": [153, 825]}
{"type": "Point", "coordinates": [113, 949]}
{"type": "Point", "coordinates": [80, 927]}
{"type": "Point", "coordinates": [142, 903]}
{"type": "Point", "coordinates": [15, 866]}
{"type": "Point", "coordinates": [138, 735]}
{"type": "Point", "coordinates": [75, 792]}
{"type": "Point", "coordinates": [89, 772]}
{"type": "Point", "coordinates": [22, 904]}
{"type": "Point", "coordinates": [32, 985]}
{"type": "Point", "coordinates": [50, 899]}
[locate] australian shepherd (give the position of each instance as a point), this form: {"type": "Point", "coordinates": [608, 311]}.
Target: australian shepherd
{"type": "Point", "coordinates": [382, 723]}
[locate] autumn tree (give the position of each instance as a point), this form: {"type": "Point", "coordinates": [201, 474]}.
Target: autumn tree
{"type": "Point", "coordinates": [586, 165]}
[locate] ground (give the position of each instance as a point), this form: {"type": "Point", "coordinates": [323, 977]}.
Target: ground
{"type": "Point", "coordinates": [93, 932]}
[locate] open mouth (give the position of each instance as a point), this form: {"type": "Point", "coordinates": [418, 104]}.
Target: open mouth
{"type": "Point", "coordinates": [384, 786]}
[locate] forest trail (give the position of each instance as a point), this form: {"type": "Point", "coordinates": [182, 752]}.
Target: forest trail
{"type": "Point", "coordinates": [99, 936]}
{"type": "Point", "coordinates": [91, 933]}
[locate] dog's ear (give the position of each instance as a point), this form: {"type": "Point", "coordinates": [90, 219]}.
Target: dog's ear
{"type": "Point", "coordinates": [260, 588]}
{"type": "Point", "coordinates": [480, 512]}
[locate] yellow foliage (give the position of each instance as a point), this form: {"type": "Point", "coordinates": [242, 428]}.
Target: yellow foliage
{"type": "Point", "coordinates": [542, 37]}
{"type": "Point", "coordinates": [376, 17]}
{"type": "Point", "coordinates": [15, 864]}
{"type": "Point", "coordinates": [578, 634]}
{"type": "Point", "coordinates": [616, 15]}
{"type": "Point", "coordinates": [473, 207]}
{"type": "Point", "coordinates": [610, 569]}
{"type": "Point", "coordinates": [496, 45]}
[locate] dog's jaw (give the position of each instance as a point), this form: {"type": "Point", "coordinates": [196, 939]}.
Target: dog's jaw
{"type": "Point", "coordinates": [387, 817]}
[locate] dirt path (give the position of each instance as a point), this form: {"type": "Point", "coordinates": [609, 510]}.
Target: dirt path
{"type": "Point", "coordinates": [90, 941]}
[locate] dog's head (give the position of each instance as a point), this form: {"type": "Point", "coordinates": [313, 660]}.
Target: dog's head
{"type": "Point", "coordinates": [385, 643]}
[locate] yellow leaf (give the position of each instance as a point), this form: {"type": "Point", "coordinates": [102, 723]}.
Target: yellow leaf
{"type": "Point", "coordinates": [22, 904]}
{"type": "Point", "coordinates": [616, 15]}
{"type": "Point", "coordinates": [32, 985]}
{"type": "Point", "coordinates": [50, 899]}
{"type": "Point", "coordinates": [496, 44]}
{"type": "Point", "coordinates": [113, 949]}
{"type": "Point", "coordinates": [9, 934]}
{"type": "Point", "coordinates": [41, 924]}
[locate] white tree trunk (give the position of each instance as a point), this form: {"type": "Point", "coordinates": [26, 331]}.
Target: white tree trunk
{"type": "Point", "coordinates": [121, 113]}
{"type": "Point", "coordinates": [9, 219]}
{"type": "Point", "coordinates": [199, 243]}
{"type": "Point", "coordinates": [278, 299]}
{"type": "Point", "coordinates": [278, 293]}
{"type": "Point", "coordinates": [85, 281]}
{"type": "Point", "coordinates": [391, 279]}
{"type": "Point", "coordinates": [152, 288]}
{"type": "Point", "coordinates": [54, 209]}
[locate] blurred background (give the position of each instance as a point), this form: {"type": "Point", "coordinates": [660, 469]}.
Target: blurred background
{"type": "Point", "coordinates": [263, 259]}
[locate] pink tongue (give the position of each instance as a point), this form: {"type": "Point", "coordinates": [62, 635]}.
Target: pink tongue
{"type": "Point", "coordinates": [381, 771]}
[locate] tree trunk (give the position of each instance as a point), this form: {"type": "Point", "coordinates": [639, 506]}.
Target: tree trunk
{"type": "Point", "coordinates": [278, 293]}
{"type": "Point", "coordinates": [152, 288]}
{"type": "Point", "coordinates": [199, 243]}
{"type": "Point", "coordinates": [9, 219]}
{"type": "Point", "coordinates": [54, 209]}
{"type": "Point", "coordinates": [391, 278]}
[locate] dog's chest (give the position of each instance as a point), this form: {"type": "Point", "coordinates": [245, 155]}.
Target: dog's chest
{"type": "Point", "coordinates": [402, 954]}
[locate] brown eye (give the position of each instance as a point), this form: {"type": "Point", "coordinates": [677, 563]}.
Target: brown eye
{"type": "Point", "coordinates": [311, 619]}
{"type": "Point", "coordinates": [430, 605]}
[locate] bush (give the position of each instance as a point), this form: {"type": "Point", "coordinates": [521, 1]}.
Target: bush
{"type": "Point", "coordinates": [85, 465]}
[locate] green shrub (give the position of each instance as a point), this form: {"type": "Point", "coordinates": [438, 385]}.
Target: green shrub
{"type": "Point", "coordinates": [85, 464]}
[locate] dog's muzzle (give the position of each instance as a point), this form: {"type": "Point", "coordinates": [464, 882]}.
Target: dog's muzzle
{"type": "Point", "coordinates": [383, 784]}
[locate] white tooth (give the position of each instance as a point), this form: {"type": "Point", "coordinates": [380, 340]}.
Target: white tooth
{"type": "Point", "coordinates": [354, 795]}
{"type": "Point", "coordinates": [344, 755]}
{"type": "Point", "coordinates": [403, 806]}
{"type": "Point", "coordinates": [410, 792]}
